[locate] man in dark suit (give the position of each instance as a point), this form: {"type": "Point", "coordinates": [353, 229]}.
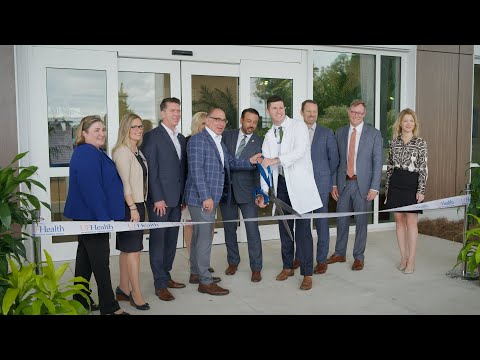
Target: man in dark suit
{"type": "Point", "coordinates": [209, 163]}
{"type": "Point", "coordinates": [243, 143]}
{"type": "Point", "coordinates": [356, 182]}
{"type": "Point", "coordinates": [165, 151]}
{"type": "Point", "coordinates": [325, 162]}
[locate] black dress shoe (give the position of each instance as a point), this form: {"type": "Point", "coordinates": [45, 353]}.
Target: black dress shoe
{"type": "Point", "coordinates": [122, 313]}
{"type": "Point", "coordinates": [94, 307]}
{"type": "Point", "coordinates": [120, 295]}
{"type": "Point", "coordinates": [138, 307]}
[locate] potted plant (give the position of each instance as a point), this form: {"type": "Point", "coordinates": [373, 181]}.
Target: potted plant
{"type": "Point", "coordinates": [29, 293]}
{"type": "Point", "coordinates": [470, 251]}
{"type": "Point", "coordinates": [19, 286]}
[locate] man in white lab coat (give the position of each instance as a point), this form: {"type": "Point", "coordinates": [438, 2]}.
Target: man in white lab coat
{"type": "Point", "coordinates": [286, 149]}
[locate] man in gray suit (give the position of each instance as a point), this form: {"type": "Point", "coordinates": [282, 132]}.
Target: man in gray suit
{"type": "Point", "coordinates": [357, 180]}
{"type": "Point", "coordinates": [324, 152]}
{"type": "Point", "coordinates": [243, 143]}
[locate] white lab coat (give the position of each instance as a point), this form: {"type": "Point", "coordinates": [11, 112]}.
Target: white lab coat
{"type": "Point", "coordinates": [295, 157]}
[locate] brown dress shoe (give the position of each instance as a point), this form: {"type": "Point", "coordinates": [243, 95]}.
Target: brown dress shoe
{"type": "Point", "coordinates": [357, 265]}
{"type": "Point", "coordinates": [164, 294]}
{"type": "Point", "coordinates": [256, 276]}
{"type": "Point", "coordinates": [321, 268]}
{"type": "Point", "coordinates": [336, 258]}
{"type": "Point", "coordinates": [284, 274]}
{"type": "Point", "coordinates": [231, 270]}
{"type": "Point", "coordinates": [195, 279]}
{"type": "Point", "coordinates": [175, 285]}
{"type": "Point", "coordinates": [306, 283]}
{"type": "Point", "coordinates": [212, 289]}
{"type": "Point", "coordinates": [296, 264]}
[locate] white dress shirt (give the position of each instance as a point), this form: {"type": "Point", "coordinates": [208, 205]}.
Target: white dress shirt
{"type": "Point", "coordinates": [174, 136]}
{"type": "Point", "coordinates": [217, 139]}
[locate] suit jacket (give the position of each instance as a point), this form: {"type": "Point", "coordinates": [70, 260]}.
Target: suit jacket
{"type": "Point", "coordinates": [95, 190]}
{"type": "Point", "coordinates": [166, 172]}
{"type": "Point", "coordinates": [324, 158]}
{"type": "Point", "coordinates": [296, 161]}
{"type": "Point", "coordinates": [369, 159]}
{"type": "Point", "coordinates": [243, 183]}
{"type": "Point", "coordinates": [131, 172]}
{"type": "Point", "coordinates": [206, 174]}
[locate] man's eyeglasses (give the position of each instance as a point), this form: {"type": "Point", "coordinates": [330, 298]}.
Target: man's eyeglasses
{"type": "Point", "coordinates": [219, 119]}
{"type": "Point", "coordinates": [355, 113]}
{"type": "Point", "coordinates": [135, 127]}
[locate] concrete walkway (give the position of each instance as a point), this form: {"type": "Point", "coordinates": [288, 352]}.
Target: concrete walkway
{"type": "Point", "coordinates": [380, 288]}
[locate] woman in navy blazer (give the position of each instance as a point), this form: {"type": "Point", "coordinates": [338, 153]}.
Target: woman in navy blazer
{"type": "Point", "coordinates": [95, 193]}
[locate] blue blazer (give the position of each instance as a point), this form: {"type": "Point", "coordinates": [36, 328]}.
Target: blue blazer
{"type": "Point", "coordinates": [324, 158]}
{"type": "Point", "coordinates": [206, 175]}
{"type": "Point", "coordinates": [95, 190]}
{"type": "Point", "coordinates": [243, 183]}
{"type": "Point", "coordinates": [166, 173]}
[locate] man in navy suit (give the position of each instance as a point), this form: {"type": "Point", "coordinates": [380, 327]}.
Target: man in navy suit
{"type": "Point", "coordinates": [243, 143]}
{"type": "Point", "coordinates": [209, 163]}
{"type": "Point", "coordinates": [325, 161]}
{"type": "Point", "coordinates": [165, 150]}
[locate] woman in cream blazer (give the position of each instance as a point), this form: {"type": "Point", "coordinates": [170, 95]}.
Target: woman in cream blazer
{"type": "Point", "coordinates": [132, 167]}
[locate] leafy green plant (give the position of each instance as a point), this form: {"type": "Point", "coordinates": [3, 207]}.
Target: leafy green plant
{"type": "Point", "coordinates": [470, 252]}
{"type": "Point", "coordinates": [17, 210]}
{"type": "Point", "coordinates": [28, 293]}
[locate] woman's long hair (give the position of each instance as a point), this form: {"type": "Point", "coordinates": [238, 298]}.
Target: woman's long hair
{"type": "Point", "coordinates": [124, 131]}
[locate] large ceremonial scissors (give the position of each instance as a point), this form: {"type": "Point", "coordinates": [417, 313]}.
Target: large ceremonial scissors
{"type": "Point", "coordinates": [280, 205]}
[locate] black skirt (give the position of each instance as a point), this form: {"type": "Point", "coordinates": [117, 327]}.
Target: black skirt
{"type": "Point", "coordinates": [402, 190]}
{"type": "Point", "coordinates": [131, 241]}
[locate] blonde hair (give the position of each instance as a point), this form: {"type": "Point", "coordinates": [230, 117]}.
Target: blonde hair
{"type": "Point", "coordinates": [197, 121]}
{"type": "Point", "coordinates": [397, 127]}
{"type": "Point", "coordinates": [124, 131]}
{"type": "Point", "coordinates": [84, 125]}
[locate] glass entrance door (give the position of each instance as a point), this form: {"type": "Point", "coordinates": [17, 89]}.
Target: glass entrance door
{"type": "Point", "coordinates": [66, 85]}
{"type": "Point", "coordinates": [258, 81]}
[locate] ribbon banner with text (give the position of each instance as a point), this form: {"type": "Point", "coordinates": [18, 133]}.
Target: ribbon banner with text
{"type": "Point", "coordinates": [60, 228]}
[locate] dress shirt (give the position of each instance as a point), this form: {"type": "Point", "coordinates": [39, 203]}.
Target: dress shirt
{"type": "Point", "coordinates": [174, 136]}
{"type": "Point", "coordinates": [359, 129]}
{"type": "Point", "coordinates": [217, 139]}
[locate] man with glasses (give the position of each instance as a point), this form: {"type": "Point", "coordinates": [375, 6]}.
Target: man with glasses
{"type": "Point", "coordinates": [209, 166]}
{"type": "Point", "coordinates": [286, 149]}
{"type": "Point", "coordinates": [356, 182]}
{"type": "Point", "coordinates": [165, 150]}
{"type": "Point", "coordinates": [243, 143]}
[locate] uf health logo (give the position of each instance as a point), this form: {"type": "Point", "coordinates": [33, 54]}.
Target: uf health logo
{"type": "Point", "coordinates": [93, 228]}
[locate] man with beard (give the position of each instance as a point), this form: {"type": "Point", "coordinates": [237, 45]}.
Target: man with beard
{"type": "Point", "coordinates": [243, 143]}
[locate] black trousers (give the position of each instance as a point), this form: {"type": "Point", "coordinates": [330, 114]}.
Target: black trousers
{"type": "Point", "coordinates": [93, 256]}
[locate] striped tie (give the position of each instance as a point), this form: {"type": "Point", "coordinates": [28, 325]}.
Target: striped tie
{"type": "Point", "coordinates": [242, 145]}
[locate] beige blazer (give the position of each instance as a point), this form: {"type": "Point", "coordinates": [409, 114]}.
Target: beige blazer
{"type": "Point", "coordinates": [131, 172]}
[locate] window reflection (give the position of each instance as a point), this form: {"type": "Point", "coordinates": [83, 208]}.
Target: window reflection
{"type": "Point", "coordinates": [260, 90]}
{"type": "Point", "coordinates": [71, 95]}
{"type": "Point", "coordinates": [212, 91]}
{"type": "Point", "coordinates": [58, 196]}
{"type": "Point", "coordinates": [142, 93]}
{"type": "Point", "coordinates": [339, 78]}
{"type": "Point", "coordinates": [389, 98]}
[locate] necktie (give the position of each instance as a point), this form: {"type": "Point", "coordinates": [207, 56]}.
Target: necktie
{"type": "Point", "coordinates": [242, 145]}
{"type": "Point", "coordinates": [351, 154]}
{"type": "Point", "coordinates": [280, 133]}
{"type": "Point", "coordinates": [311, 133]}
